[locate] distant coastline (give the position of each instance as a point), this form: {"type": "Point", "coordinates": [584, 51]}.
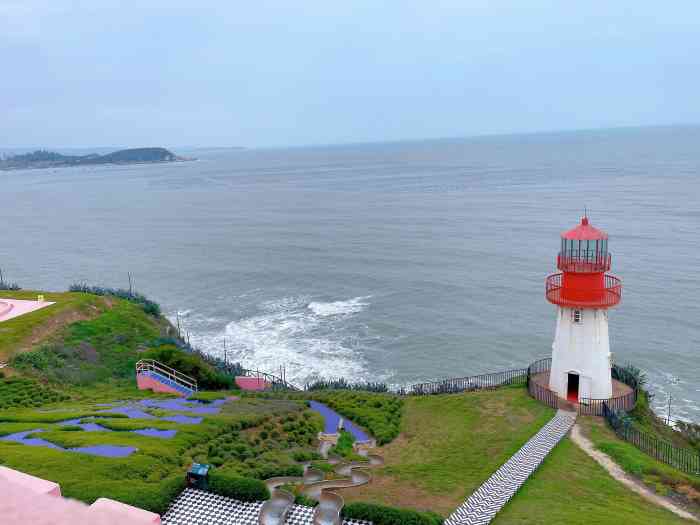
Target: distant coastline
{"type": "Point", "coordinates": [43, 159]}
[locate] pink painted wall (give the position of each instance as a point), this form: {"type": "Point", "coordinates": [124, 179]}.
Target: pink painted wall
{"type": "Point", "coordinates": [148, 383]}
{"type": "Point", "coordinates": [31, 483]}
{"type": "Point", "coordinates": [252, 383]}
{"type": "Point", "coordinates": [20, 504]}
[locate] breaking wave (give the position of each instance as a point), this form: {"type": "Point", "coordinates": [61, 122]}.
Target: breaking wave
{"type": "Point", "coordinates": [311, 339]}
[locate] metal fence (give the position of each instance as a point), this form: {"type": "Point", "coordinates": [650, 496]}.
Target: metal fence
{"type": "Point", "coordinates": [539, 392]}
{"type": "Point", "coordinates": [681, 458]}
{"type": "Point", "coordinates": [469, 384]}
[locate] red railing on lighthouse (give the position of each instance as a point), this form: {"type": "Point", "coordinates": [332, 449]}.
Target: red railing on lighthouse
{"type": "Point", "coordinates": [605, 296]}
{"type": "Point", "coordinates": [583, 261]}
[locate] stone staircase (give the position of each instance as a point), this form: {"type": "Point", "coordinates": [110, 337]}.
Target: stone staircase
{"type": "Point", "coordinates": [489, 498]}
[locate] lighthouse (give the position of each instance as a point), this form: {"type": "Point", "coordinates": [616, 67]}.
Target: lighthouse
{"type": "Point", "coordinates": [583, 292]}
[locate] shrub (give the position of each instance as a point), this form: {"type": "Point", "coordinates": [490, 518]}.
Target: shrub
{"type": "Point", "coordinates": [380, 414]}
{"type": "Point", "coordinates": [306, 501]}
{"type": "Point", "coordinates": [150, 307]}
{"type": "Point", "coordinates": [237, 487]}
{"type": "Point", "coordinates": [344, 446]}
{"type": "Point", "coordinates": [381, 515]}
{"type": "Point", "coordinates": [24, 392]}
{"type": "Point", "coordinates": [343, 384]}
{"type": "Point", "coordinates": [207, 377]}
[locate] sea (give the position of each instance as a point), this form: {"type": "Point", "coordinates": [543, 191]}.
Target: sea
{"type": "Point", "coordinates": [393, 262]}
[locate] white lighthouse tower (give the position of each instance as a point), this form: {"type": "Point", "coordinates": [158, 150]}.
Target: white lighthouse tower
{"type": "Point", "coordinates": [583, 292]}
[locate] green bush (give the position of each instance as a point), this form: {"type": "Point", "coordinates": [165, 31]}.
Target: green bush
{"type": "Point", "coordinates": [192, 365]}
{"type": "Point", "coordinates": [380, 414]}
{"type": "Point", "coordinates": [237, 487]}
{"type": "Point", "coordinates": [150, 307]}
{"type": "Point", "coordinates": [344, 446]}
{"type": "Point", "coordinates": [381, 515]}
{"type": "Point", "coordinates": [306, 501]}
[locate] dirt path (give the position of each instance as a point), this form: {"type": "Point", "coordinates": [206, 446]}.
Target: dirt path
{"type": "Point", "coordinates": [628, 481]}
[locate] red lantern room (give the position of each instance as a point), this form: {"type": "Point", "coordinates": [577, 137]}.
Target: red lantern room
{"type": "Point", "coordinates": [583, 261]}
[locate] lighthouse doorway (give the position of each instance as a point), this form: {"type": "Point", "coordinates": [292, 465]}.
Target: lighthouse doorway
{"type": "Point", "coordinates": [572, 388]}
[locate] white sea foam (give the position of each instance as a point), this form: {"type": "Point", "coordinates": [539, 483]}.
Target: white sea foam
{"type": "Point", "coordinates": [311, 339]}
{"type": "Point", "coordinates": [351, 306]}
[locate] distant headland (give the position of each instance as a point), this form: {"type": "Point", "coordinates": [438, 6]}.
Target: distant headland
{"type": "Point", "coordinates": [48, 159]}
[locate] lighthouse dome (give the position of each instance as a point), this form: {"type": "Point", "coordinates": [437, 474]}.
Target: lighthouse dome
{"type": "Point", "coordinates": [584, 232]}
{"type": "Point", "coordinates": [584, 249]}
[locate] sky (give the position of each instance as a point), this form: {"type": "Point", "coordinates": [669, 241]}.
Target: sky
{"type": "Point", "coordinates": [286, 73]}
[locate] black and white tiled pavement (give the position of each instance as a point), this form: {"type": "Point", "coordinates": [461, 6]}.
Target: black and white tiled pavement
{"type": "Point", "coordinates": [196, 507]}
{"type": "Point", "coordinates": [489, 498]}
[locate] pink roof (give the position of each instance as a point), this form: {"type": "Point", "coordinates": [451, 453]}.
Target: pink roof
{"type": "Point", "coordinates": [584, 232]}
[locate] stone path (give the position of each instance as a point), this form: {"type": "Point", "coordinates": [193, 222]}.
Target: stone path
{"type": "Point", "coordinates": [489, 498]}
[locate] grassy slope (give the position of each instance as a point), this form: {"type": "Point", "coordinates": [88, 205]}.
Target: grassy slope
{"type": "Point", "coordinates": [449, 445]}
{"type": "Point", "coordinates": [22, 331]}
{"type": "Point", "coordinates": [571, 488]}
{"type": "Point", "coordinates": [658, 476]}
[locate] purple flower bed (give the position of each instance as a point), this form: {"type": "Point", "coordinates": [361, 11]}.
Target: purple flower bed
{"type": "Point", "coordinates": [21, 437]}
{"type": "Point", "coordinates": [109, 451]}
{"type": "Point", "coordinates": [131, 411]}
{"type": "Point", "coordinates": [331, 421]}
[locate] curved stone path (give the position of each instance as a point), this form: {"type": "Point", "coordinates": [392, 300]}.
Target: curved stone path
{"type": "Point", "coordinates": [489, 498]}
{"type": "Point", "coordinates": [275, 511]}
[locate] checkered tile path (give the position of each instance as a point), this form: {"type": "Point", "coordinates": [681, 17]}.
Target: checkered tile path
{"type": "Point", "coordinates": [196, 507]}
{"type": "Point", "coordinates": [484, 504]}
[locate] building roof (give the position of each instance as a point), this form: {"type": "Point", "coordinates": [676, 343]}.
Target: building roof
{"type": "Point", "coordinates": [584, 232]}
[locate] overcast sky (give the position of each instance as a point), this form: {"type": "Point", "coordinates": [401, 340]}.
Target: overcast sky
{"type": "Point", "coordinates": [271, 73]}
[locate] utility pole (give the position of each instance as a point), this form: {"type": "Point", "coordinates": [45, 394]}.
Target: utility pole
{"type": "Point", "coordinates": [225, 357]}
{"type": "Point", "coordinates": [131, 288]}
{"type": "Point", "coordinates": [668, 418]}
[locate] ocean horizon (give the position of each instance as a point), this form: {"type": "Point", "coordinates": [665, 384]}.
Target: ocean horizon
{"type": "Point", "coordinates": [397, 262]}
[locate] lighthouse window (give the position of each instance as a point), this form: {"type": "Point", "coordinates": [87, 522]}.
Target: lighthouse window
{"type": "Point", "coordinates": [576, 316]}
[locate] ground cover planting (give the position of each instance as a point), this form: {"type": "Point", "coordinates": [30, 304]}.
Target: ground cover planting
{"type": "Point", "coordinates": [247, 439]}
{"type": "Point", "coordinates": [25, 392]}
{"type": "Point", "coordinates": [377, 413]}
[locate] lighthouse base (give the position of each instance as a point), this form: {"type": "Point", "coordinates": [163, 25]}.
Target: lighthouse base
{"type": "Point", "coordinates": [621, 393]}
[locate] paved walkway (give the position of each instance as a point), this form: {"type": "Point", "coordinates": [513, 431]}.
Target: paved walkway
{"type": "Point", "coordinates": [484, 504]}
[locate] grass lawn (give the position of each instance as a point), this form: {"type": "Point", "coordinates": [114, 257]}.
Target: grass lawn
{"type": "Point", "coordinates": [571, 488]}
{"type": "Point", "coordinates": [22, 332]}
{"type": "Point", "coordinates": [449, 445]}
{"type": "Point", "coordinates": [656, 475]}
